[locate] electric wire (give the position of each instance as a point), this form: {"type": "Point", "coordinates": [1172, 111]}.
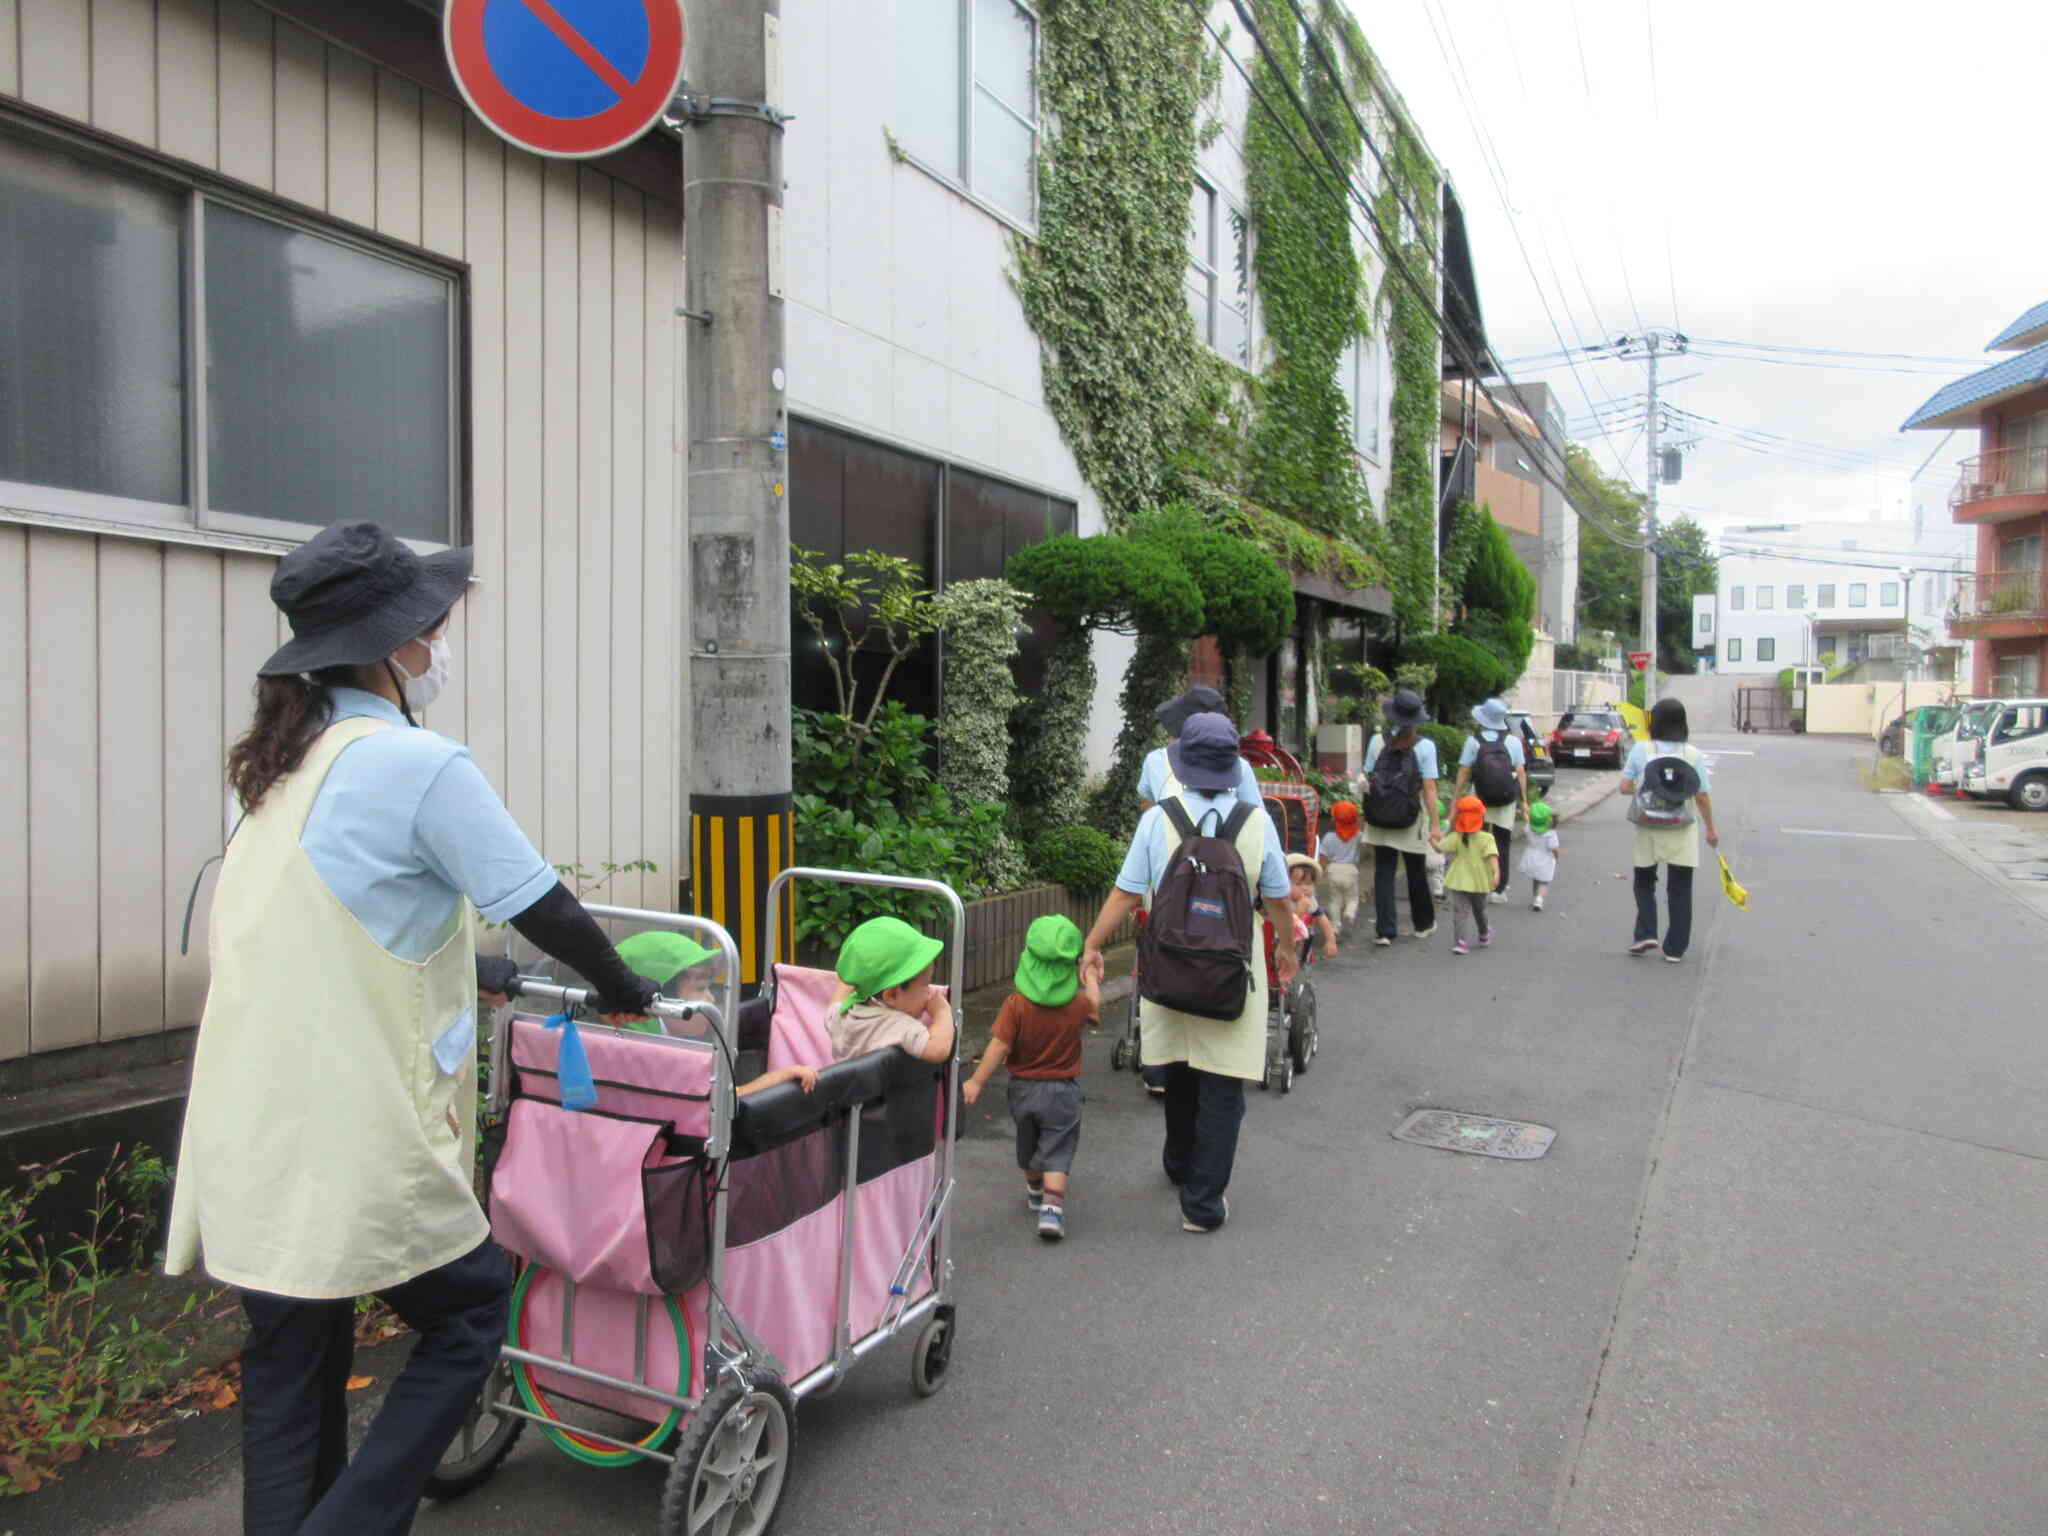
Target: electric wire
{"type": "Point", "coordinates": [1388, 246]}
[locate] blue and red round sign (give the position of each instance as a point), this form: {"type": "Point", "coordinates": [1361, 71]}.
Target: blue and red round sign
{"type": "Point", "coordinates": [568, 78]}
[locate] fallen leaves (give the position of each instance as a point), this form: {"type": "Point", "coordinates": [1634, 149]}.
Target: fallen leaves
{"type": "Point", "coordinates": [149, 1450]}
{"type": "Point", "coordinates": [357, 1383]}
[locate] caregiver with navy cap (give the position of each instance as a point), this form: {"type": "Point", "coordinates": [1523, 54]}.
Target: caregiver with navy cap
{"type": "Point", "coordinates": [331, 1129]}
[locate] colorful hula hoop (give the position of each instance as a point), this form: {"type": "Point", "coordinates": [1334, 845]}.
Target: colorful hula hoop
{"type": "Point", "coordinates": [594, 1453]}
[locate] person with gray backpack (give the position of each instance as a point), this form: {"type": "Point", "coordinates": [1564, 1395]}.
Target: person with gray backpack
{"type": "Point", "coordinates": [1666, 782]}
{"type": "Point", "coordinates": [1202, 863]}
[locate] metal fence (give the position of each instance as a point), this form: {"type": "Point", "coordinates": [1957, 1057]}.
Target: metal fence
{"type": "Point", "coordinates": [1579, 690]}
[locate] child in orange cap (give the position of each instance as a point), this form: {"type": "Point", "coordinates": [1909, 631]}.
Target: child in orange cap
{"type": "Point", "coordinates": [1472, 861]}
{"type": "Point", "coordinates": [1338, 852]}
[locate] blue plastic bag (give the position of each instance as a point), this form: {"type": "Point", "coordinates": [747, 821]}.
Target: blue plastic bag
{"type": "Point", "coordinates": [572, 1066]}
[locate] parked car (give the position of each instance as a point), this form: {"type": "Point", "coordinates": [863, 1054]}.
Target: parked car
{"type": "Point", "coordinates": [2010, 756]}
{"type": "Point", "coordinates": [1586, 736]}
{"type": "Point", "coordinates": [1542, 766]}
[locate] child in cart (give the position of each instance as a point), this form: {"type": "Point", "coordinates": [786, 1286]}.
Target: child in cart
{"type": "Point", "coordinates": [687, 971]}
{"type": "Point", "coordinates": [1303, 872]}
{"type": "Point", "coordinates": [1539, 858]}
{"type": "Point", "coordinates": [885, 995]}
{"type": "Point", "coordinates": [1038, 1035]}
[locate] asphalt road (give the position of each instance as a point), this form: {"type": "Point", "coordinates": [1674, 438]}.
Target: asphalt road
{"type": "Point", "coordinates": [1782, 1272]}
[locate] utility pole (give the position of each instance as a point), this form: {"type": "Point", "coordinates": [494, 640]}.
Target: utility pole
{"type": "Point", "coordinates": [1650, 344]}
{"type": "Point", "coordinates": [732, 317]}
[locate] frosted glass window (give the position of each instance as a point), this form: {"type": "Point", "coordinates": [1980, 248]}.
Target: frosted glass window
{"type": "Point", "coordinates": [1766, 597]}
{"type": "Point", "coordinates": [92, 394]}
{"type": "Point", "coordinates": [928, 81]}
{"type": "Point", "coordinates": [328, 380]}
{"type": "Point", "coordinates": [1004, 165]}
{"type": "Point", "coordinates": [1365, 401]}
{"type": "Point", "coordinates": [1003, 45]}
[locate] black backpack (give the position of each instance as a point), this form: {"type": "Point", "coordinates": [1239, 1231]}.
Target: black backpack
{"type": "Point", "coordinates": [1195, 950]}
{"type": "Point", "coordinates": [1493, 774]}
{"type": "Point", "coordinates": [1393, 791]}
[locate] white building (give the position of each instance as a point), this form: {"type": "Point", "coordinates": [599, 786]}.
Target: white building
{"type": "Point", "coordinates": [1790, 595]}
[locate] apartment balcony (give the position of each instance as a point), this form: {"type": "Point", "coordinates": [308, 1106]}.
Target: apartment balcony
{"type": "Point", "coordinates": [1999, 605]}
{"type": "Point", "coordinates": [2001, 485]}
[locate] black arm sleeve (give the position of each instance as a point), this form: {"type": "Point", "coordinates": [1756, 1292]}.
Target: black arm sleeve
{"type": "Point", "coordinates": [557, 925]}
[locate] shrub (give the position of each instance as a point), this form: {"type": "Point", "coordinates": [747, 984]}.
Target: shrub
{"type": "Point", "coordinates": [1080, 858]}
{"type": "Point", "coordinates": [1465, 673]}
{"type": "Point", "coordinates": [1573, 657]}
{"type": "Point", "coordinates": [979, 621]}
{"type": "Point", "coordinates": [871, 602]}
{"type": "Point", "coordinates": [944, 841]}
{"type": "Point", "coordinates": [1450, 741]}
{"type": "Point", "coordinates": [1106, 582]}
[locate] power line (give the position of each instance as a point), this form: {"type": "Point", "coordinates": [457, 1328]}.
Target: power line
{"type": "Point", "coordinates": [1388, 246]}
{"type": "Point", "coordinates": [1657, 116]}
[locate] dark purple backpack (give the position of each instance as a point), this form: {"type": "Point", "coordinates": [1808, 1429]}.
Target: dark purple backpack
{"type": "Point", "coordinates": [1195, 950]}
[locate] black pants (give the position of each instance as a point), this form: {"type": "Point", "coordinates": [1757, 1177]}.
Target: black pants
{"type": "Point", "coordinates": [296, 1472]}
{"type": "Point", "coordinates": [1502, 837]}
{"type": "Point", "coordinates": [1678, 888]}
{"type": "Point", "coordinates": [1421, 910]}
{"type": "Point", "coordinates": [1203, 1112]}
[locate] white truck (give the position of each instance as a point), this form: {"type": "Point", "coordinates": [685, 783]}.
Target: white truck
{"type": "Point", "coordinates": [1948, 747]}
{"type": "Point", "coordinates": [2009, 755]}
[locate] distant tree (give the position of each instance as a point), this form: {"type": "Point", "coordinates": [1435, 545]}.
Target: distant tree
{"type": "Point", "coordinates": [1686, 567]}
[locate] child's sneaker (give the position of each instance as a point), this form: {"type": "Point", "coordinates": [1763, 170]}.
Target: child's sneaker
{"type": "Point", "coordinates": [1034, 1199]}
{"type": "Point", "coordinates": [1537, 904]}
{"type": "Point", "coordinates": [1461, 948]}
{"type": "Point", "coordinates": [1486, 938]}
{"type": "Point", "coordinates": [1052, 1223]}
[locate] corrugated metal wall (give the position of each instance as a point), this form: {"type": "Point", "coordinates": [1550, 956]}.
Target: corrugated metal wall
{"type": "Point", "coordinates": [126, 665]}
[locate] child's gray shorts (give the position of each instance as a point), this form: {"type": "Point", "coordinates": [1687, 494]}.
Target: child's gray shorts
{"type": "Point", "coordinates": [1048, 1116]}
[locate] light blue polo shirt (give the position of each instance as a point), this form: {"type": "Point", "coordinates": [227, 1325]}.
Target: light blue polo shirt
{"type": "Point", "coordinates": [1145, 862]}
{"type": "Point", "coordinates": [406, 825]}
{"type": "Point", "coordinates": [1425, 755]}
{"type": "Point", "coordinates": [1469, 753]}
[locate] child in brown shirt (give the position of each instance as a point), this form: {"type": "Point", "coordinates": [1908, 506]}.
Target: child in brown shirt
{"type": "Point", "coordinates": [1038, 1033]}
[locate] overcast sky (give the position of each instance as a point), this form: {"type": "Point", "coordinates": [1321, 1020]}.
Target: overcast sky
{"type": "Point", "coordinates": [1802, 174]}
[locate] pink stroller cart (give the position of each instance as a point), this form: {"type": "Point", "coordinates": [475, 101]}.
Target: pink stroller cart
{"type": "Point", "coordinates": [693, 1262]}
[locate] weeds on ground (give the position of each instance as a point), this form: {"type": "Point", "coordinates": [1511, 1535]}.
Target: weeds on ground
{"type": "Point", "coordinates": [74, 1364]}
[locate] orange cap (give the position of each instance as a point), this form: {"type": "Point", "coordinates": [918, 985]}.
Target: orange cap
{"type": "Point", "coordinates": [1344, 813]}
{"type": "Point", "coordinates": [1469, 814]}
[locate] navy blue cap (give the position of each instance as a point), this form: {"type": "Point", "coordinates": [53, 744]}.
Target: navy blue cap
{"type": "Point", "coordinates": [1205, 757]}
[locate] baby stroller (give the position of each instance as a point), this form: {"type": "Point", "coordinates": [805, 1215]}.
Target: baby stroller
{"type": "Point", "coordinates": [1291, 1037]}
{"type": "Point", "coordinates": [694, 1263]}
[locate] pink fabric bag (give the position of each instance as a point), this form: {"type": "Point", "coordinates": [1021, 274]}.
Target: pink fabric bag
{"type": "Point", "coordinates": [567, 1193]}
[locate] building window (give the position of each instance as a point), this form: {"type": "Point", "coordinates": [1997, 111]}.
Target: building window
{"type": "Point", "coordinates": [328, 367]}
{"type": "Point", "coordinates": [967, 96]}
{"type": "Point", "coordinates": [1358, 374]}
{"type": "Point", "coordinates": [1735, 598]}
{"type": "Point", "coordinates": [1735, 650]}
{"type": "Point", "coordinates": [1767, 649]}
{"type": "Point", "coordinates": [1888, 595]}
{"type": "Point", "coordinates": [1766, 597]}
{"type": "Point", "coordinates": [1706, 623]}
{"type": "Point", "coordinates": [1215, 277]}
{"type": "Point", "coordinates": [1826, 597]}
{"type": "Point", "coordinates": [1795, 597]}
{"type": "Point", "coordinates": [1859, 594]}
{"type": "Point", "coordinates": [2016, 675]}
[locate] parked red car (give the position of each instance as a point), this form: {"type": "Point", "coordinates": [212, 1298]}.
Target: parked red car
{"type": "Point", "coordinates": [1586, 736]}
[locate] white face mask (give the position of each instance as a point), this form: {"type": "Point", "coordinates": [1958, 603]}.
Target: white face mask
{"type": "Point", "coordinates": [421, 691]}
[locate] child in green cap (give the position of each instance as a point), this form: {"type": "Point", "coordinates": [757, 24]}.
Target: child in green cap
{"type": "Point", "coordinates": [1038, 1033]}
{"type": "Point", "coordinates": [1539, 859]}
{"type": "Point", "coordinates": [686, 971]}
{"type": "Point", "coordinates": [886, 996]}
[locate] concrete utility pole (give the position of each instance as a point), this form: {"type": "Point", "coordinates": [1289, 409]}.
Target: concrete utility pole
{"type": "Point", "coordinates": [1650, 344]}
{"type": "Point", "coordinates": [733, 315]}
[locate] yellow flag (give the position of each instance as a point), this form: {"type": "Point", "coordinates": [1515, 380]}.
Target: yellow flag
{"type": "Point", "coordinates": [1638, 722]}
{"type": "Point", "coordinates": [1730, 887]}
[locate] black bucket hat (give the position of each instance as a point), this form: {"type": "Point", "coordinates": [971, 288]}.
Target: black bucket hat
{"type": "Point", "coordinates": [354, 594]}
{"type": "Point", "coordinates": [1198, 700]}
{"type": "Point", "coordinates": [1405, 709]}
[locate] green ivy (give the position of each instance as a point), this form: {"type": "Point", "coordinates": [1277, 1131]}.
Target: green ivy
{"type": "Point", "coordinates": [1049, 738]}
{"type": "Point", "coordinates": [1311, 283]}
{"type": "Point", "coordinates": [979, 622]}
{"type": "Point", "coordinates": [1126, 377]}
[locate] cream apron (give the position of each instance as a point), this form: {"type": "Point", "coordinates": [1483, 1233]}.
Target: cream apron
{"type": "Point", "coordinates": [1229, 1048]}
{"type": "Point", "coordinates": [325, 1153]}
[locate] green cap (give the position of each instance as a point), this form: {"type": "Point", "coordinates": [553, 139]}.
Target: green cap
{"type": "Point", "coordinates": [1048, 971]}
{"type": "Point", "coordinates": [881, 953]}
{"type": "Point", "coordinates": [662, 956]}
{"type": "Point", "coordinates": [1540, 816]}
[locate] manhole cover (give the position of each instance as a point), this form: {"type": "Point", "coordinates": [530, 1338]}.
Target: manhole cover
{"type": "Point", "coordinates": [1455, 1131]}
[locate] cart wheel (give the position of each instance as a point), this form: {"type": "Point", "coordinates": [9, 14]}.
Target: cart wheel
{"type": "Point", "coordinates": [1118, 1056]}
{"type": "Point", "coordinates": [1303, 1033]}
{"type": "Point", "coordinates": [932, 1354]}
{"type": "Point", "coordinates": [485, 1439]}
{"type": "Point", "coordinates": [733, 1461]}
{"type": "Point", "coordinates": [1287, 1074]}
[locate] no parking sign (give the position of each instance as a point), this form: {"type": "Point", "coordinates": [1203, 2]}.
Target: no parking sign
{"type": "Point", "coordinates": [567, 78]}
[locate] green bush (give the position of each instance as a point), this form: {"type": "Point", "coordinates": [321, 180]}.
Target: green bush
{"type": "Point", "coordinates": [1576, 658]}
{"type": "Point", "coordinates": [1465, 673]}
{"type": "Point", "coordinates": [1106, 582]}
{"type": "Point", "coordinates": [1450, 741]}
{"type": "Point", "coordinates": [1080, 858]}
{"type": "Point", "coordinates": [1247, 600]}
